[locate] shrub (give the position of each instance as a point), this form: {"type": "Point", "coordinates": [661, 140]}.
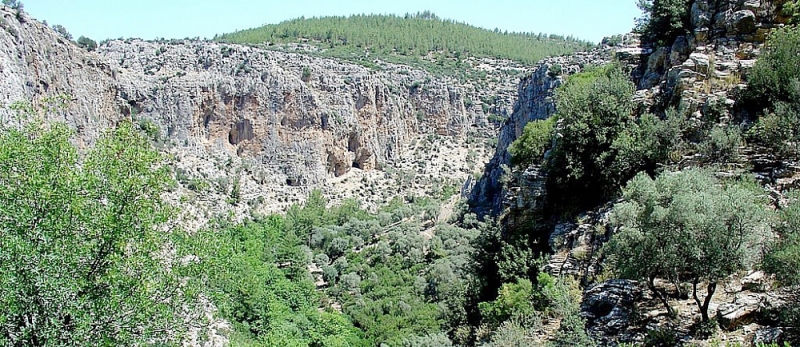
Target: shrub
{"type": "Point", "coordinates": [774, 85]}
{"type": "Point", "coordinates": [306, 76]}
{"type": "Point", "coordinates": [536, 138]}
{"type": "Point", "coordinates": [554, 70]}
{"type": "Point", "coordinates": [664, 20]}
{"type": "Point", "coordinates": [61, 30]}
{"type": "Point", "coordinates": [722, 144]}
{"type": "Point", "coordinates": [783, 259]}
{"type": "Point", "coordinates": [87, 43]}
{"type": "Point", "coordinates": [594, 108]}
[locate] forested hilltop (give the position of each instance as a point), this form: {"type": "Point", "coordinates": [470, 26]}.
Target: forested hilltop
{"type": "Point", "coordinates": [396, 38]}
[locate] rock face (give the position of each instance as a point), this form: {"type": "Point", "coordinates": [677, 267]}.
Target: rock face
{"type": "Point", "coordinates": [278, 123]}
{"type": "Point", "coordinates": [534, 101]}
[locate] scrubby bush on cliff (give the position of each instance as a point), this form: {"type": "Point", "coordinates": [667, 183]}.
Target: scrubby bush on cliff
{"type": "Point", "coordinates": [774, 85]}
{"type": "Point", "coordinates": [61, 30]}
{"type": "Point", "coordinates": [688, 227]}
{"type": "Point", "coordinates": [86, 43]}
{"type": "Point", "coordinates": [537, 136]}
{"type": "Point", "coordinates": [664, 20]}
{"type": "Point", "coordinates": [84, 257]}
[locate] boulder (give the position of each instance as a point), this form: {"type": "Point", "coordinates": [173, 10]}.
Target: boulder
{"type": "Point", "coordinates": [767, 336]}
{"type": "Point", "coordinates": [742, 22]}
{"type": "Point", "coordinates": [757, 281]}
{"type": "Point", "coordinates": [741, 312]}
{"type": "Point", "coordinates": [608, 306]}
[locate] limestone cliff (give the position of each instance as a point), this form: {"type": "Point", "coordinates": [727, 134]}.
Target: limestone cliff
{"type": "Point", "coordinates": [276, 124]}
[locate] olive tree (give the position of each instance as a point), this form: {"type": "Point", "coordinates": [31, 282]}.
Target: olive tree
{"type": "Point", "coordinates": [84, 250]}
{"type": "Point", "coordinates": [688, 226]}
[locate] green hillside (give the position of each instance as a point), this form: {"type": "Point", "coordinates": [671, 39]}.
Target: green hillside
{"type": "Point", "coordinates": [412, 35]}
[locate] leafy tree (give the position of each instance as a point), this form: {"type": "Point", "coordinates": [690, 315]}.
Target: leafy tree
{"type": "Point", "coordinates": [87, 43]}
{"type": "Point", "coordinates": [84, 257]}
{"type": "Point", "coordinates": [688, 226]}
{"type": "Point", "coordinates": [536, 138]}
{"type": "Point", "coordinates": [593, 109]}
{"type": "Point", "coordinates": [664, 20]}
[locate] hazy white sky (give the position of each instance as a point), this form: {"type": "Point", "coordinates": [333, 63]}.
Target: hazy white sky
{"type": "Point", "coordinates": [148, 19]}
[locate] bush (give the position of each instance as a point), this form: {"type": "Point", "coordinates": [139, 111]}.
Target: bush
{"type": "Point", "coordinates": [306, 76]}
{"type": "Point", "coordinates": [554, 70]}
{"type": "Point", "coordinates": [61, 30]}
{"type": "Point", "coordinates": [664, 20]}
{"type": "Point", "coordinates": [774, 85]}
{"type": "Point", "coordinates": [87, 43]}
{"type": "Point", "coordinates": [722, 144]}
{"type": "Point", "coordinates": [783, 258]}
{"type": "Point", "coordinates": [536, 138]}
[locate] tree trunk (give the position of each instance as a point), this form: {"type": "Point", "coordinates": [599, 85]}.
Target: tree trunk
{"type": "Point", "coordinates": [661, 295]}
{"type": "Point", "coordinates": [703, 306]}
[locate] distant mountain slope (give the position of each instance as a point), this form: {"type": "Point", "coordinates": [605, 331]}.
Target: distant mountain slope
{"type": "Point", "coordinates": [412, 35]}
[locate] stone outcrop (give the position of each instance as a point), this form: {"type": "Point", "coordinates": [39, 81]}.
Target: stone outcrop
{"type": "Point", "coordinates": [609, 307]}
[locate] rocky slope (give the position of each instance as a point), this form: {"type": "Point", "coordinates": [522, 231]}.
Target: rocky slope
{"type": "Point", "coordinates": [702, 71]}
{"type": "Point", "coordinates": [252, 129]}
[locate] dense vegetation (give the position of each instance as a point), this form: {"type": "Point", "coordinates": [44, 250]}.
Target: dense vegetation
{"type": "Point", "coordinates": [774, 85]}
{"type": "Point", "coordinates": [82, 256]}
{"type": "Point", "coordinates": [412, 35]}
{"type": "Point", "coordinates": [676, 224]}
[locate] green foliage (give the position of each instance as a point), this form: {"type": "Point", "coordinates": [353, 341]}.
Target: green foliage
{"type": "Point", "coordinates": [536, 138]}
{"type": "Point", "coordinates": [664, 20]}
{"type": "Point", "coordinates": [722, 144]}
{"type": "Point", "coordinates": [593, 109]}
{"type": "Point", "coordinates": [82, 259]}
{"type": "Point", "coordinates": [513, 300]}
{"type": "Point", "coordinates": [643, 144]}
{"type": "Point", "coordinates": [688, 226]}
{"type": "Point", "coordinates": [661, 337]}
{"type": "Point", "coordinates": [61, 30]}
{"type": "Point", "coordinates": [791, 9]}
{"type": "Point", "coordinates": [86, 43]}
{"type": "Point", "coordinates": [433, 340]}
{"type": "Point", "coordinates": [784, 256]}
{"type": "Point", "coordinates": [414, 35]}
{"type": "Point", "coordinates": [774, 84]}
{"type": "Point", "coordinates": [554, 70]}
{"type": "Point", "coordinates": [256, 275]}
{"type": "Point", "coordinates": [520, 308]}
{"type": "Point", "coordinates": [306, 76]}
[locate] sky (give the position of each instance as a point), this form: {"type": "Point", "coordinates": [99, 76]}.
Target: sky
{"type": "Point", "coordinates": [149, 19]}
